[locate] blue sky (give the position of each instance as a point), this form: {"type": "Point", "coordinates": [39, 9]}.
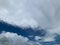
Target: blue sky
{"type": "Point", "coordinates": [30, 22]}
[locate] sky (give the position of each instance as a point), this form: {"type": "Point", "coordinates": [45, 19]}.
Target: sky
{"type": "Point", "coordinates": [37, 21]}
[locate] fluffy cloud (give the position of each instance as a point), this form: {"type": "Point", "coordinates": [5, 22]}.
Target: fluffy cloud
{"type": "Point", "coordinates": [8, 38]}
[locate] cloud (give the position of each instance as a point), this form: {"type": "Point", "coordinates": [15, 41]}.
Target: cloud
{"type": "Point", "coordinates": [45, 39]}
{"type": "Point", "coordinates": [38, 38]}
{"type": "Point", "coordinates": [32, 13]}
{"type": "Point", "coordinates": [40, 12]}
{"type": "Point", "coordinates": [8, 38]}
{"type": "Point", "coordinates": [48, 39]}
{"type": "Point", "coordinates": [17, 16]}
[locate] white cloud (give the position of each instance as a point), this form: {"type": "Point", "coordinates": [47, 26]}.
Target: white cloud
{"type": "Point", "coordinates": [16, 14]}
{"type": "Point", "coordinates": [41, 12]}
{"type": "Point", "coordinates": [45, 39]}
{"type": "Point", "coordinates": [48, 39]}
{"type": "Point", "coordinates": [37, 38]}
{"type": "Point", "coordinates": [8, 38]}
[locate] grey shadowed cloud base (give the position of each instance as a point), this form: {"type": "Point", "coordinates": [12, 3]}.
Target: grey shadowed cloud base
{"type": "Point", "coordinates": [33, 13]}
